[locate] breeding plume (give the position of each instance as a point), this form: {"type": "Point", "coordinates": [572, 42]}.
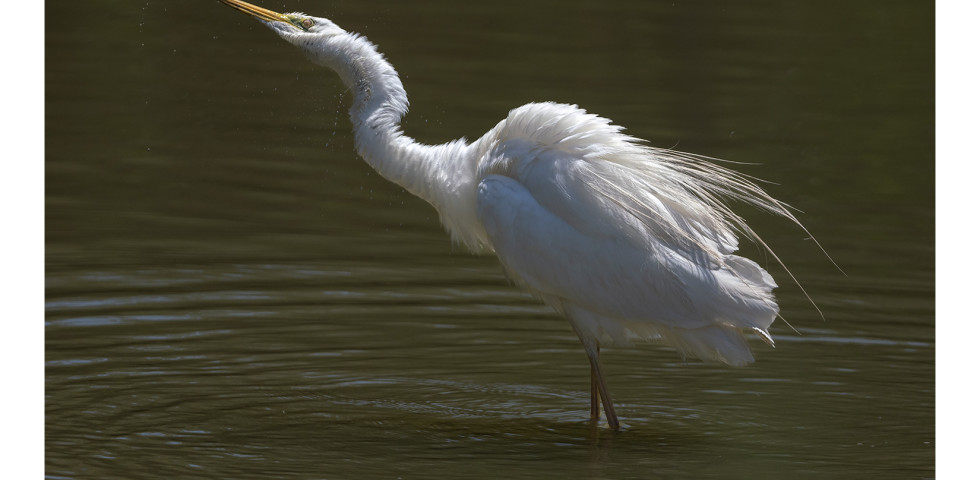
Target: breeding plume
{"type": "Point", "coordinates": [627, 242]}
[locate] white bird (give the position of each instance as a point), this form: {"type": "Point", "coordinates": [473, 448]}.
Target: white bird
{"type": "Point", "coordinates": [626, 241]}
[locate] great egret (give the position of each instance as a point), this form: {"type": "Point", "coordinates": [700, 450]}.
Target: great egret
{"type": "Point", "coordinates": [624, 240]}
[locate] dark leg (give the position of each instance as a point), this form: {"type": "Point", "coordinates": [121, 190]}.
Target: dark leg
{"type": "Point", "coordinates": [594, 396]}
{"type": "Point", "coordinates": [599, 386]}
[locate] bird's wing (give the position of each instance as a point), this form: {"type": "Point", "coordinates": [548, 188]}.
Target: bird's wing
{"type": "Point", "coordinates": [576, 229]}
{"type": "Point", "coordinates": [605, 274]}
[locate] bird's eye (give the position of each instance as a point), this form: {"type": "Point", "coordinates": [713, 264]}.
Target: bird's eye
{"type": "Point", "coordinates": [303, 23]}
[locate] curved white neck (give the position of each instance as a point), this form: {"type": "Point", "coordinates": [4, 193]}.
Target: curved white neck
{"type": "Point", "coordinates": [443, 175]}
{"type": "Point", "coordinates": [379, 104]}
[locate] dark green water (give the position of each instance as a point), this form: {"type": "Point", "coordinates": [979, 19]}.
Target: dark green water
{"type": "Point", "coordinates": [232, 293]}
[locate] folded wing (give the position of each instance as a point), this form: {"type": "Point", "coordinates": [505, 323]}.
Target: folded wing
{"type": "Point", "coordinates": [622, 257]}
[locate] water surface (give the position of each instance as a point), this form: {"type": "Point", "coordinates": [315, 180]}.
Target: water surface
{"type": "Point", "coordinates": [231, 292]}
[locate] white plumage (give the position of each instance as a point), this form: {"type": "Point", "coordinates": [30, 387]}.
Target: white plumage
{"type": "Point", "coordinates": [609, 233]}
{"type": "Point", "coordinates": [626, 241]}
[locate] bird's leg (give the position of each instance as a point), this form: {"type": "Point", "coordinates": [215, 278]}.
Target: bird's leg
{"type": "Point", "coordinates": [599, 382]}
{"type": "Point", "coordinates": [594, 393]}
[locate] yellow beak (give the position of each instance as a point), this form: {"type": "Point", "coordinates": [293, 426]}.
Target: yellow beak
{"type": "Point", "coordinates": [257, 12]}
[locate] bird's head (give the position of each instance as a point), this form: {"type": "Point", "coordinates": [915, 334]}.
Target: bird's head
{"type": "Point", "coordinates": [296, 28]}
{"type": "Point", "coordinates": [327, 45]}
